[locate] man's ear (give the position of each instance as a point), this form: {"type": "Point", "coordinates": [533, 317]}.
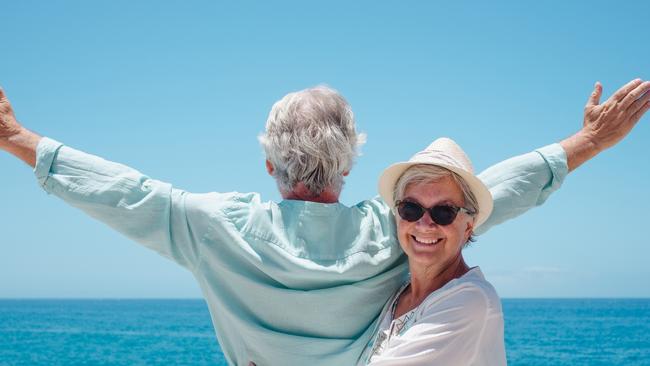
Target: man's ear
{"type": "Point", "coordinates": [345, 173]}
{"type": "Point", "coordinates": [269, 167]}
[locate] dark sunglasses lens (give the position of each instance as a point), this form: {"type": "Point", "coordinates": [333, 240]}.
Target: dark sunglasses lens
{"type": "Point", "coordinates": [444, 215]}
{"type": "Point", "coordinates": [410, 211]}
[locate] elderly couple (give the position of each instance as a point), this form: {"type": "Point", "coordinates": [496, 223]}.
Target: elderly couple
{"type": "Point", "coordinates": [310, 281]}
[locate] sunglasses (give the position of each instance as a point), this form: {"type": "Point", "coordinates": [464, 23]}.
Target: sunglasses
{"type": "Point", "coordinates": [440, 214]}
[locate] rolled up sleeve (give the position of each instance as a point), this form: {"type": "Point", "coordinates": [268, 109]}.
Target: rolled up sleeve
{"type": "Point", "coordinates": [148, 211]}
{"type": "Point", "coordinates": [45, 154]}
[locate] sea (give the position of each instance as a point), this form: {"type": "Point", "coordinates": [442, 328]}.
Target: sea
{"type": "Point", "coordinates": [179, 332]}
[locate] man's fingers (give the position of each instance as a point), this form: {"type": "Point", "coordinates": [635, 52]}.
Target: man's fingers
{"type": "Point", "coordinates": [594, 98]}
{"type": "Point", "coordinates": [624, 91]}
{"type": "Point", "coordinates": [638, 92]}
{"type": "Point", "coordinates": [637, 116]}
{"type": "Point", "coordinates": [639, 103]}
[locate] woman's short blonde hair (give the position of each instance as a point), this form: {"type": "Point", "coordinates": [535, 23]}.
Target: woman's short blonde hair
{"type": "Point", "coordinates": [424, 173]}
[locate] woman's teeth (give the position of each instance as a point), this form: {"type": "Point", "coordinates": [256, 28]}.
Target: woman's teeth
{"type": "Point", "coordinates": [426, 241]}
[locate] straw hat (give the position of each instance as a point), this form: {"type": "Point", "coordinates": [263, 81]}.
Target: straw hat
{"type": "Point", "coordinates": [446, 153]}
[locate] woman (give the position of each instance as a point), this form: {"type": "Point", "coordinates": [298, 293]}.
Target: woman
{"type": "Point", "coordinates": [447, 313]}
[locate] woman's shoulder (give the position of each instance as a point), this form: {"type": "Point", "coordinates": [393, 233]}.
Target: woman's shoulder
{"type": "Point", "coordinates": [470, 294]}
{"type": "Point", "coordinates": [476, 280]}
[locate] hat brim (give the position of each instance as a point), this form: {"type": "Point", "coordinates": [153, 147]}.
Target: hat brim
{"type": "Point", "coordinates": [389, 178]}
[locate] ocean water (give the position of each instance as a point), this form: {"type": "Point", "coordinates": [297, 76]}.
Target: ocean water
{"type": "Point", "coordinates": [179, 332]}
{"type": "Point", "coordinates": [577, 331]}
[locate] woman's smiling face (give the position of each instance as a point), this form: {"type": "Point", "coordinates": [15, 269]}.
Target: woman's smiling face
{"type": "Point", "coordinates": [427, 244]}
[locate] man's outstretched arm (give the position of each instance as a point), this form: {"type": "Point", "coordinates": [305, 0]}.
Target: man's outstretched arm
{"type": "Point", "coordinates": [146, 210]}
{"type": "Point", "coordinates": [526, 181]}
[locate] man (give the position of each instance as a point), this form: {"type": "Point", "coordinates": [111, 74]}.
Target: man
{"type": "Point", "coordinates": [300, 282]}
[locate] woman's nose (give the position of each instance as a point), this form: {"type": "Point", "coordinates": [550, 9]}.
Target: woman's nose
{"type": "Point", "coordinates": [426, 220]}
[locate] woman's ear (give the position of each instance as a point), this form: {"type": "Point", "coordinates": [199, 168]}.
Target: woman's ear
{"type": "Point", "coordinates": [469, 229]}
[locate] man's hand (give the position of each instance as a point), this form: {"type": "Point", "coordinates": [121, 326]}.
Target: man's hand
{"type": "Point", "coordinates": [608, 123]}
{"type": "Point", "coordinates": [14, 138]}
{"type": "Point", "coordinates": [8, 124]}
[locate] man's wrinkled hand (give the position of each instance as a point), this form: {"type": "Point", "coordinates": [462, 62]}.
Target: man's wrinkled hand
{"type": "Point", "coordinates": [8, 124]}
{"type": "Point", "coordinates": [608, 123]}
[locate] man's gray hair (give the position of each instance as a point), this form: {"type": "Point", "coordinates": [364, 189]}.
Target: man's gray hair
{"type": "Point", "coordinates": [424, 173]}
{"type": "Point", "coordinates": [311, 138]}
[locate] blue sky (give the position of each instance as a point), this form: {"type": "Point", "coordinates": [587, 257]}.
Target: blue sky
{"type": "Point", "coordinates": [180, 91]}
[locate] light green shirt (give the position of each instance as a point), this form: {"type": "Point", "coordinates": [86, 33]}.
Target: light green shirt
{"type": "Point", "coordinates": [289, 283]}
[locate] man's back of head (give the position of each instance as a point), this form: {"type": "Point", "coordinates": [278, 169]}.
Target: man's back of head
{"type": "Point", "coordinates": [311, 141]}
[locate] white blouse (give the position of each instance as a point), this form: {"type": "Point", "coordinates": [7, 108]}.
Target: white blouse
{"type": "Point", "coordinates": [459, 324]}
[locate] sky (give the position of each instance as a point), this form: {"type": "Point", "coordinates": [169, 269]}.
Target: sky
{"type": "Point", "coordinates": [181, 90]}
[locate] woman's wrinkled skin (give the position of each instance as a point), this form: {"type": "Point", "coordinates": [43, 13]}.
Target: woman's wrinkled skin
{"type": "Point", "coordinates": [434, 251]}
